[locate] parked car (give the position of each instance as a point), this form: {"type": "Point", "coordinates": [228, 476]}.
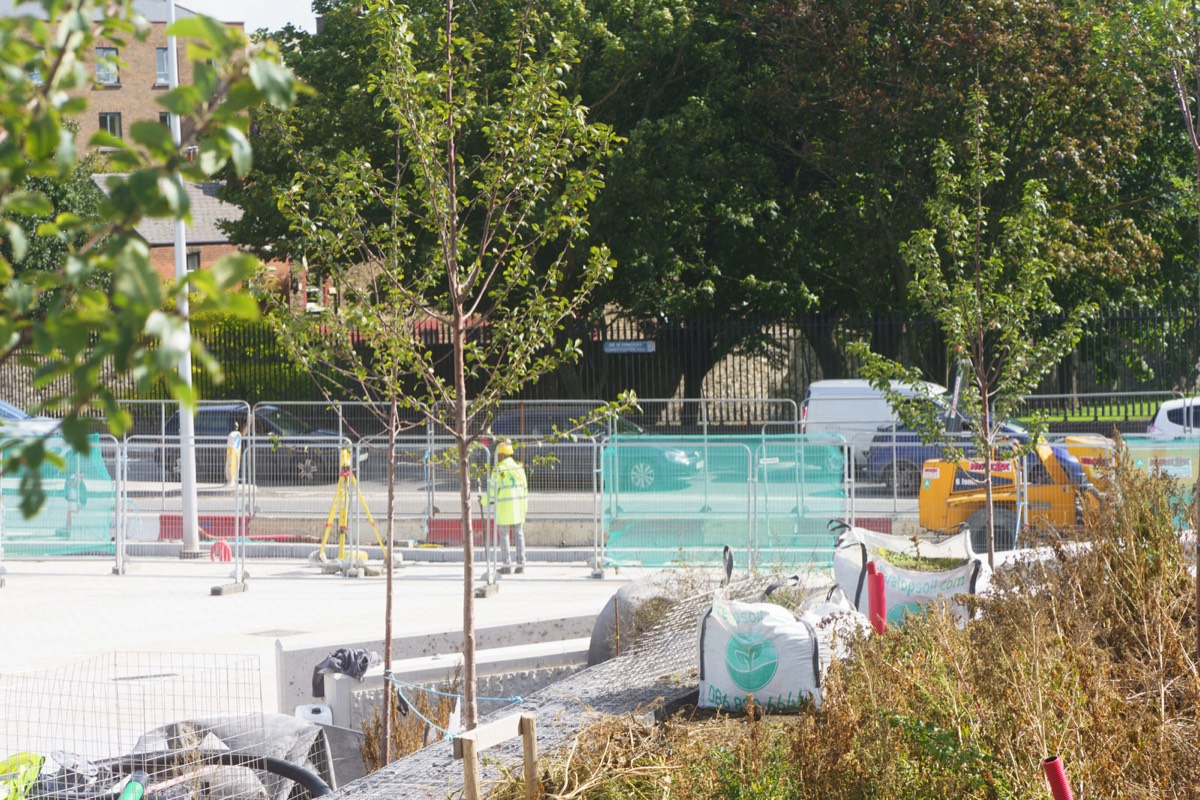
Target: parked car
{"type": "Point", "coordinates": [1177, 417]}
{"type": "Point", "coordinates": [558, 452]}
{"type": "Point", "coordinates": [285, 448]}
{"type": "Point", "coordinates": [897, 454]}
{"type": "Point", "coordinates": [15, 422]}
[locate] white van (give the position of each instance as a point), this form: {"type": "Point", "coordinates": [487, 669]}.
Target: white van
{"type": "Point", "coordinates": [855, 410]}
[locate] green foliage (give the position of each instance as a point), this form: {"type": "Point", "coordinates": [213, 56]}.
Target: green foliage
{"type": "Point", "coordinates": [861, 92]}
{"type": "Point", "coordinates": [91, 304]}
{"type": "Point", "coordinates": [987, 279]}
{"type": "Point", "coordinates": [36, 208]}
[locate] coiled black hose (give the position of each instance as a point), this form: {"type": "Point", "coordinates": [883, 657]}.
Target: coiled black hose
{"type": "Point", "coordinates": [157, 762]}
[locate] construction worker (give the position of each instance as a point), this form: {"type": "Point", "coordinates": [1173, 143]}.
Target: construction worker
{"type": "Point", "coordinates": [233, 452]}
{"type": "Point", "coordinates": [508, 492]}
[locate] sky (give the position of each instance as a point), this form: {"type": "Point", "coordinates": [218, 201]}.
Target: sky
{"type": "Point", "coordinates": [269, 14]}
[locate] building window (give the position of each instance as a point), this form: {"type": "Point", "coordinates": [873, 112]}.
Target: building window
{"type": "Point", "coordinates": [164, 118]}
{"type": "Point", "coordinates": [163, 68]}
{"type": "Point", "coordinates": [110, 121]}
{"type": "Point", "coordinates": [193, 260]}
{"type": "Point", "coordinates": [106, 66]}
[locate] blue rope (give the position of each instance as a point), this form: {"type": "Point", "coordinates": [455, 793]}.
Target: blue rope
{"type": "Point", "coordinates": [449, 736]}
{"type": "Point", "coordinates": [392, 677]}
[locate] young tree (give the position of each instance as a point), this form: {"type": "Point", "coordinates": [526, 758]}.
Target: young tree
{"type": "Point", "coordinates": [484, 203]}
{"type": "Point", "coordinates": [57, 314]}
{"type": "Point", "coordinates": [987, 282]}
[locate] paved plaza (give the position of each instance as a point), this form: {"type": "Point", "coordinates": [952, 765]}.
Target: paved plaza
{"type": "Point", "coordinates": [55, 612]}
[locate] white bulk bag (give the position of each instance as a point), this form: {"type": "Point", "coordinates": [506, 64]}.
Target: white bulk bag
{"type": "Point", "coordinates": [906, 589]}
{"type": "Point", "coordinates": [954, 546]}
{"type": "Point", "coordinates": [758, 649]}
{"type": "Point", "coordinates": [836, 621]}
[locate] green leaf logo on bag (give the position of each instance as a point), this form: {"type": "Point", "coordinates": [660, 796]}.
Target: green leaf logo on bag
{"type": "Point", "coordinates": [751, 659]}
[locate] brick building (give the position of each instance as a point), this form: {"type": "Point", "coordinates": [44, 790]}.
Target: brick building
{"type": "Point", "coordinates": [127, 80]}
{"type": "Point", "coordinates": [129, 77]}
{"type": "Point", "coordinates": [205, 242]}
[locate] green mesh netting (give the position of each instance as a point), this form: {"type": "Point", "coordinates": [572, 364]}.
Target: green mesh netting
{"type": "Point", "coordinates": [1177, 458]}
{"type": "Point", "coordinates": [78, 513]}
{"type": "Point", "coordinates": [675, 501]}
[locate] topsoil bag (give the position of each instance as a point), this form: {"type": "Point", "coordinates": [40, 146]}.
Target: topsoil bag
{"type": "Point", "coordinates": [907, 590]}
{"type": "Point", "coordinates": [758, 649]}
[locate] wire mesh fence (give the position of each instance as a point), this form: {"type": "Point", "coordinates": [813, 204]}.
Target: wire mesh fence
{"type": "Point", "coordinates": [77, 722]}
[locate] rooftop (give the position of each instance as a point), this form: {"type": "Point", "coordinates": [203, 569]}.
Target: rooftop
{"type": "Point", "coordinates": [206, 211]}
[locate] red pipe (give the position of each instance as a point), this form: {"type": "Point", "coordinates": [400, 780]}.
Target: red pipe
{"type": "Point", "coordinates": [877, 601]}
{"type": "Point", "coordinates": [872, 571]}
{"type": "Point", "coordinates": [1060, 787]}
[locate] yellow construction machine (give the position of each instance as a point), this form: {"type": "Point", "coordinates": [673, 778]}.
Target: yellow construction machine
{"type": "Point", "coordinates": [1046, 487]}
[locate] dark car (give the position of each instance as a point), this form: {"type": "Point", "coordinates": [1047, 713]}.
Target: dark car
{"type": "Point", "coordinates": [280, 447]}
{"type": "Point", "coordinates": [559, 451]}
{"type": "Point", "coordinates": [897, 454]}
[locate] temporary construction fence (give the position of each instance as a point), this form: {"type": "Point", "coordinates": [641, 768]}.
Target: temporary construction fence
{"type": "Point", "coordinates": [1173, 457]}
{"type": "Point", "coordinates": [79, 514]}
{"type": "Point", "coordinates": [629, 495]}
{"type": "Point", "coordinates": [771, 496]}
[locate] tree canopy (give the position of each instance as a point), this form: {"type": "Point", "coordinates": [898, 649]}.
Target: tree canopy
{"type": "Point", "coordinates": [777, 154]}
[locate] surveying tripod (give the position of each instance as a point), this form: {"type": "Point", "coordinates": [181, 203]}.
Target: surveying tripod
{"type": "Point", "coordinates": [341, 507]}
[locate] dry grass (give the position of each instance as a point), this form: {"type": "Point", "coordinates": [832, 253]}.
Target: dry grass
{"type": "Point", "coordinates": [1090, 656]}
{"type": "Point", "coordinates": [409, 732]}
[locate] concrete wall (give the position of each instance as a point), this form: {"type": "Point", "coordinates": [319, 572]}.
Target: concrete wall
{"type": "Point", "coordinates": [294, 665]}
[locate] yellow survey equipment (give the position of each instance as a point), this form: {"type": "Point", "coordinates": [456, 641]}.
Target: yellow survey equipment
{"type": "Point", "coordinates": [340, 509]}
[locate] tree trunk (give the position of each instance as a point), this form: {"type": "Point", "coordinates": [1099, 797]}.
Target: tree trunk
{"type": "Point", "coordinates": [988, 454]}
{"type": "Point", "coordinates": [461, 434]}
{"type": "Point", "coordinates": [470, 709]}
{"type": "Point", "coordinates": [385, 757]}
{"type": "Point", "coordinates": [697, 346]}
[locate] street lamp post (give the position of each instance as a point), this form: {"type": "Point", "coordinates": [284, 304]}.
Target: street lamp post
{"type": "Point", "coordinates": [187, 421]}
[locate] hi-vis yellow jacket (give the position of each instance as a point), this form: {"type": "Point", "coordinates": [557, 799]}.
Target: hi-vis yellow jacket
{"type": "Point", "coordinates": [508, 490]}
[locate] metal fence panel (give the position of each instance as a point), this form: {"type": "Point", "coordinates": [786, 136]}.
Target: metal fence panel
{"type": "Point", "coordinates": [800, 488]}
{"type": "Point", "coordinates": [1176, 457]}
{"type": "Point", "coordinates": [770, 498]}
{"type": "Point", "coordinates": [79, 512]}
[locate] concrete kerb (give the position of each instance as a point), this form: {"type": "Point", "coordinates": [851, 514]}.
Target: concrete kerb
{"type": "Point", "coordinates": [413, 553]}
